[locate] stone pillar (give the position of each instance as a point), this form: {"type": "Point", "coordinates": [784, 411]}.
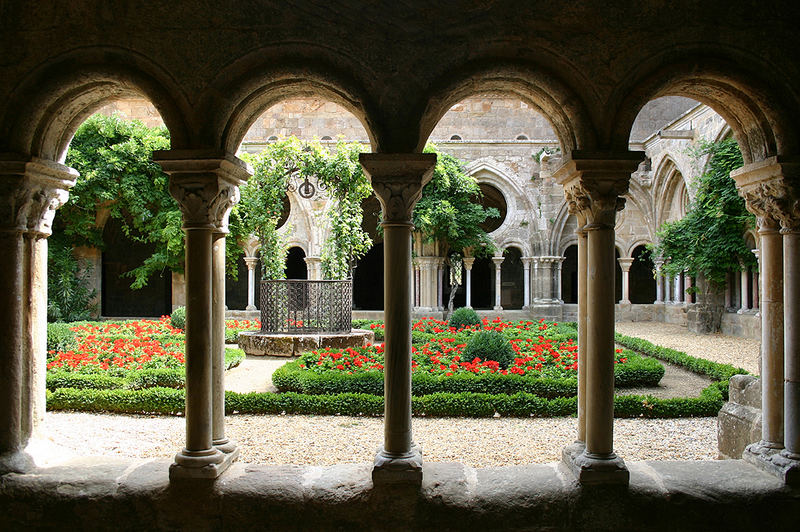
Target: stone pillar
{"type": "Point", "coordinates": [30, 192]}
{"type": "Point", "coordinates": [536, 284]}
{"type": "Point", "coordinates": [397, 180]}
{"type": "Point", "coordinates": [676, 290]}
{"type": "Point", "coordinates": [498, 282]}
{"type": "Point", "coordinates": [220, 441]}
{"type": "Point", "coordinates": [439, 284]}
{"type": "Point", "coordinates": [314, 267]}
{"type": "Point", "coordinates": [757, 283]}
{"type": "Point", "coordinates": [625, 265]}
{"type": "Point", "coordinates": [659, 263]}
{"type": "Point", "coordinates": [687, 286]}
{"type": "Point", "coordinates": [526, 265]}
{"type": "Point", "coordinates": [205, 183]}
{"type": "Point", "coordinates": [770, 193]}
{"type": "Point", "coordinates": [594, 185]}
{"type": "Point", "coordinates": [583, 259]}
{"type": "Point", "coordinates": [546, 278]}
{"type": "Point", "coordinates": [745, 291]}
{"type": "Point", "coordinates": [559, 263]}
{"type": "Point", "coordinates": [468, 262]}
{"type": "Point", "coordinates": [251, 263]}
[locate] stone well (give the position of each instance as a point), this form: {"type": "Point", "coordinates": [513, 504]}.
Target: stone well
{"type": "Point", "coordinates": [303, 315]}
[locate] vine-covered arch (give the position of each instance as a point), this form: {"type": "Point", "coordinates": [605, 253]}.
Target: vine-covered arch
{"type": "Point", "coordinates": [731, 83]}
{"type": "Point", "coordinates": [48, 106]}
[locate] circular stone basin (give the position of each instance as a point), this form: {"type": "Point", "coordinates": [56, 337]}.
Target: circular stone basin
{"type": "Point", "coordinates": [287, 345]}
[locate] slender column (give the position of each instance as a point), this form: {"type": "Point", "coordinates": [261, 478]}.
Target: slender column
{"type": "Point", "coordinates": [498, 282]}
{"type": "Point", "coordinates": [439, 284]}
{"type": "Point", "coordinates": [594, 185]}
{"type": "Point", "coordinates": [546, 276]}
{"type": "Point", "coordinates": [757, 282]}
{"type": "Point", "coordinates": [583, 259]}
{"type": "Point", "coordinates": [397, 180]}
{"type": "Point", "coordinates": [687, 285]}
{"type": "Point", "coordinates": [744, 292]}
{"type": "Point", "coordinates": [676, 290]}
{"type": "Point", "coordinates": [659, 263]}
{"type": "Point", "coordinates": [625, 265]}
{"type": "Point", "coordinates": [417, 276]}
{"type": "Point", "coordinates": [536, 284]}
{"type": "Point", "coordinates": [559, 264]}
{"type": "Point", "coordinates": [205, 183]}
{"type": "Point", "coordinates": [468, 262]}
{"type": "Point", "coordinates": [30, 192]}
{"type": "Point", "coordinates": [770, 192]}
{"type": "Point", "coordinates": [251, 263]}
{"type": "Point", "coordinates": [526, 265]}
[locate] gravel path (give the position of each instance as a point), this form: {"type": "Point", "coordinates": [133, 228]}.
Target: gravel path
{"type": "Point", "coordinates": [741, 352]}
{"type": "Point", "coordinates": [323, 440]}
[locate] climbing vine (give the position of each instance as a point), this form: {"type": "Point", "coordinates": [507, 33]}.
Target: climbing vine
{"type": "Point", "coordinates": [709, 239]}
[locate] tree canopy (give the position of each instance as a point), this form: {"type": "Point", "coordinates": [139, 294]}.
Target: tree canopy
{"type": "Point", "coordinates": [709, 240]}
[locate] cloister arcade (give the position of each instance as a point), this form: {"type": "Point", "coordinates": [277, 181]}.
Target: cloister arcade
{"type": "Point", "coordinates": [211, 87]}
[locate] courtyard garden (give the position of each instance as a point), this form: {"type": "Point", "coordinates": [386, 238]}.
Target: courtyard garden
{"type": "Point", "coordinates": [483, 368]}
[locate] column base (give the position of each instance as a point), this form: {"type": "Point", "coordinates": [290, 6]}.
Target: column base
{"type": "Point", "coordinates": [591, 469]}
{"type": "Point", "coordinates": [392, 468]}
{"type": "Point", "coordinates": [207, 464]}
{"type": "Point", "coordinates": [497, 308]}
{"type": "Point", "coordinates": [227, 446]}
{"type": "Point", "coordinates": [778, 462]}
{"type": "Point", "coordinates": [250, 307]}
{"type": "Point", "coordinates": [16, 462]}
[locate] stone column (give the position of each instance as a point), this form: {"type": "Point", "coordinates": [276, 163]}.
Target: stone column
{"type": "Point", "coordinates": [659, 263]}
{"type": "Point", "coordinates": [397, 180]}
{"type": "Point", "coordinates": [468, 262]}
{"type": "Point", "coordinates": [769, 193]}
{"type": "Point", "coordinates": [536, 284]}
{"type": "Point", "coordinates": [526, 265]}
{"type": "Point", "coordinates": [546, 276]}
{"type": "Point", "coordinates": [757, 283]}
{"type": "Point", "coordinates": [745, 291]}
{"type": "Point", "coordinates": [205, 183]}
{"type": "Point", "coordinates": [583, 259]}
{"type": "Point", "coordinates": [687, 285]}
{"type": "Point", "coordinates": [439, 284]}
{"type": "Point", "coordinates": [251, 263]}
{"type": "Point", "coordinates": [594, 185]}
{"type": "Point", "coordinates": [30, 192]}
{"type": "Point", "coordinates": [625, 265]}
{"type": "Point", "coordinates": [676, 290]}
{"type": "Point", "coordinates": [559, 263]}
{"type": "Point", "coordinates": [314, 267]}
{"type": "Point", "coordinates": [498, 282]}
{"type": "Point", "coordinates": [220, 441]}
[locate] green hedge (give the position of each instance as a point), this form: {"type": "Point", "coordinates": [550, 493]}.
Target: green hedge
{"type": "Point", "coordinates": [638, 371]}
{"type": "Point", "coordinates": [714, 370]}
{"type": "Point", "coordinates": [171, 401]}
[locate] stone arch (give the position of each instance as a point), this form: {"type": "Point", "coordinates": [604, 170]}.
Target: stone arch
{"type": "Point", "coordinates": [557, 240]}
{"type": "Point", "coordinates": [669, 186]}
{"type": "Point", "coordinates": [487, 170]}
{"type": "Point", "coordinates": [250, 85]}
{"type": "Point", "coordinates": [513, 242]}
{"type": "Point", "coordinates": [635, 244]}
{"type": "Point", "coordinates": [732, 83]}
{"type": "Point", "coordinates": [540, 88]}
{"type": "Point", "coordinates": [50, 104]}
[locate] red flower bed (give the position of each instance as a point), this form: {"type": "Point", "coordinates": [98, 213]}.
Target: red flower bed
{"type": "Point", "coordinates": [125, 345]}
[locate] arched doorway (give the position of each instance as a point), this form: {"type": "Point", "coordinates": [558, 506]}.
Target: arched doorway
{"type": "Point", "coordinates": [368, 280]}
{"type": "Point", "coordinates": [512, 279]}
{"type": "Point", "coordinates": [642, 282]}
{"type": "Point", "coordinates": [569, 276]}
{"type": "Point", "coordinates": [483, 283]}
{"type": "Point", "coordinates": [296, 264]}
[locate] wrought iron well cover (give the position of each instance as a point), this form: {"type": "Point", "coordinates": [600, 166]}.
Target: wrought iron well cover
{"type": "Point", "coordinates": [306, 307]}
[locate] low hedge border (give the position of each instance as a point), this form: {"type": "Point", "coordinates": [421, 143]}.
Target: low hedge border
{"type": "Point", "coordinates": [714, 370]}
{"type": "Point", "coordinates": [171, 401]}
{"type": "Point", "coordinates": [638, 371]}
{"type": "Point", "coordinates": [132, 380]}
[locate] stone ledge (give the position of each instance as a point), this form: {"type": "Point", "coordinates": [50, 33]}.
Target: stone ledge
{"type": "Point", "coordinates": [260, 344]}
{"type": "Point", "coordinates": [122, 494]}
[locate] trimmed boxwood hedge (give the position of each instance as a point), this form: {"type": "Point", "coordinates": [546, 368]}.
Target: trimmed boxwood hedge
{"type": "Point", "coordinates": [171, 401]}
{"type": "Point", "coordinates": [638, 371]}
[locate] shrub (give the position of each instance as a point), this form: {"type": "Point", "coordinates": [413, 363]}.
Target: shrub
{"type": "Point", "coordinates": [464, 317]}
{"type": "Point", "coordinates": [489, 345]}
{"type": "Point", "coordinates": [178, 318]}
{"type": "Point", "coordinates": [60, 337]}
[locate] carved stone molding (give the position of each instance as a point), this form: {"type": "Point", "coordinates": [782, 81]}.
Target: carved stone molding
{"type": "Point", "coordinates": [398, 179]}
{"type": "Point", "coordinates": [594, 184]}
{"type": "Point", "coordinates": [205, 183]}
{"type": "Point", "coordinates": [771, 190]}
{"type": "Point", "coordinates": [30, 193]}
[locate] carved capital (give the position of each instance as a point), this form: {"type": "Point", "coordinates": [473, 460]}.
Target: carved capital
{"type": "Point", "coordinates": [30, 192]}
{"type": "Point", "coordinates": [398, 179]}
{"type": "Point", "coordinates": [205, 183]}
{"type": "Point", "coordinates": [594, 184]}
{"type": "Point", "coordinates": [625, 264]}
{"type": "Point", "coordinates": [771, 191]}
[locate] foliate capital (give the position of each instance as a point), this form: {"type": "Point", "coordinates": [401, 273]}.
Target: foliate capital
{"type": "Point", "coordinates": [771, 191]}
{"type": "Point", "coordinates": [205, 183]}
{"type": "Point", "coordinates": [594, 184]}
{"type": "Point", "coordinates": [398, 179]}
{"type": "Point", "coordinates": [31, 189]}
